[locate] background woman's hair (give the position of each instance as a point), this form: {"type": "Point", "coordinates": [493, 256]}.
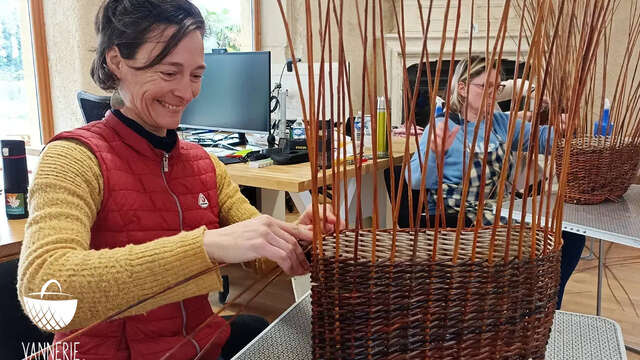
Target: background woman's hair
{"type": "Point", "coordinates": [478, 66]}
{"type": "Point", "coordinates": [128, 24]}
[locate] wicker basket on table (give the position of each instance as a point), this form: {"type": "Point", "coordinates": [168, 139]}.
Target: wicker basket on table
{"type": "Point", "coordinates": [417, 308]}
{"type": "Point", "coordinates": [599, 169]}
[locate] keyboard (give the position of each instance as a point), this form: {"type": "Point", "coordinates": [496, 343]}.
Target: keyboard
{"type": "Point", "coordinates": [231, 160]}
{"type": "Point", "coordinates": [262, 154]}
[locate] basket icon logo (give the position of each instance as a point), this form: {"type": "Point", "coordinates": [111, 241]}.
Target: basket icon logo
{"type": "Point", "coordinates": [50, 314]}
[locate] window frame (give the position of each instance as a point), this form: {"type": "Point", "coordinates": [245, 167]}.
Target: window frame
{"type": "Point", "coordinates": [257, 31]}
{"type": "Point", "coordinates": [41, 63]}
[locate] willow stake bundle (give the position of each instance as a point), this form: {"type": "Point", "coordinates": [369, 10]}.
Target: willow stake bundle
{"type": "Point", "coordinates": [485, 288]}
{"type": "Point", "coordinates": [605, 155]}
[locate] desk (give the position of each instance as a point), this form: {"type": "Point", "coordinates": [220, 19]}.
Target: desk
{"type": "Point", "coordinates": [273, 181]}
{"type": "Point", "coordinates": [615, 222]}
{"type": "Point", "coordinates": [11, 236]}
{"type": "Point", "coordinates": [573, 336]}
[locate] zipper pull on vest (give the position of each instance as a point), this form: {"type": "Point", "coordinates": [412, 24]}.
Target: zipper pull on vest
{"type": "Point", "coordinates": [165, 162]}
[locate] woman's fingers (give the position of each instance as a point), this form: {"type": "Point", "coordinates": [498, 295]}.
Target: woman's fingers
{"type": "Point", "coordinates": [290, 245]}
{"type": "Point", "coordinates": [263, 236]}
{"type": "Point", "coordinates": [437, 137]}
{"type": "Point", "coordinates": [330, 220]}
{"type": "Point", "coordinates": [451, 137]}
{"type": "Point", "coordinates": [438, 140]}
{"type": "Point", "coordinates": [277, 255]}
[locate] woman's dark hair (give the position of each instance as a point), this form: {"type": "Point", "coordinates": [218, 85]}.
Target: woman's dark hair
{"type": "Point", "coordinates": [128, 24]}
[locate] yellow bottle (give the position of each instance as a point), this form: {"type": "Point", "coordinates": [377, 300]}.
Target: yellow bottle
{"type": "Point", "coordinates": [382, 128]}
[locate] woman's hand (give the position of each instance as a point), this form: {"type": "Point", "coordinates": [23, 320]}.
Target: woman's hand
{"type": "Point", "coordinates": [438, 139]}
{"type": "Point", "coordinates": [564, 123]}
{"type": "Point", "coordinates": [402, 131]}
{"type": "Point", "coordinates": [330, 222]}
{"type": "Point", "coordinates": [263, 236]}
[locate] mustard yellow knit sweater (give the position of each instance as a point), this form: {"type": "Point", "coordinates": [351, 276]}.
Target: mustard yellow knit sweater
{"type": "Point", "coordinates": [63, 202]}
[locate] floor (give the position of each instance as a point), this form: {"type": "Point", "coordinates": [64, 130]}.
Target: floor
{"type": "Point", "coordinates": [620, 290]}
{"type": "Point", "coordinates": [620, 301]}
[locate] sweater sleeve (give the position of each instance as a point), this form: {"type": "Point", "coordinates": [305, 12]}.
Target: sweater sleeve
{"type": "Point", "coordinates": [234, 207]}
{"type": "Point", "coordinates": [64, 200]}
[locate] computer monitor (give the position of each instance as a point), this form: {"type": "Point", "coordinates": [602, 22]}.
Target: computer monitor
{"type": "Point", "coordinates": [234, 95]}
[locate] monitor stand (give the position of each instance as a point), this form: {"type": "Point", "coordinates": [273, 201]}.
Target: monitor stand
{"type": "Point", "coordinates": [242, 140]}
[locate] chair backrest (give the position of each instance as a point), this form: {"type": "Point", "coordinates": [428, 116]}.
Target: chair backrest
{"type": "Point", "coordinates": [17, 330]}
{"type": "Point", "coordinates": [93, 107]}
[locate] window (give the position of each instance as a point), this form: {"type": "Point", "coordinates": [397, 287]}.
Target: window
{"type": "Point", "coordinates": [230, 24]}
{"type": "Point", "coordinates": [18, 100]}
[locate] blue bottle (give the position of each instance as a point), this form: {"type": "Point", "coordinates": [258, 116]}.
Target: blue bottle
{"type": "Point", "coordinates": [439, 108]}
{"type": "Point", "coordinates": [603, 128]}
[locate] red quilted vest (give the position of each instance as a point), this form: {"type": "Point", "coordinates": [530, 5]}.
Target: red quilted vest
{"type": "Point", "coordinates": [149, 194]}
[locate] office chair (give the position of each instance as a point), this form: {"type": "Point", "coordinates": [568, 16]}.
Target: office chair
{"type": "Point", "coordinates": [16, 330]}
{"type": "Point", "coordinates": [403, 216]}
{"type": "Point", "coordinates": [93, 107]}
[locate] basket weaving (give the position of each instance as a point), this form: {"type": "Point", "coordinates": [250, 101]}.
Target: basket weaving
{"type": "Point", "coordinates": [485, 287]}
{"type": "Point", "coordinates": [415, 307]}
{"type": "Point", "coordinates": [599, 169]}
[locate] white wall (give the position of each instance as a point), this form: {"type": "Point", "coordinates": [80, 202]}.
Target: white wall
{"type": "Point", "coordinates": [70, 41]}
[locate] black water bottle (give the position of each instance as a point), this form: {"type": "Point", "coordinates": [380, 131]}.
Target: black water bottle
{"type": "Point", "coordinates": [16, 179]}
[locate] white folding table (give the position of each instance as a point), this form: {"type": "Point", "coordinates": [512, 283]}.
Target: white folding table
{"type": "Point", "coordinates": [616, 222]}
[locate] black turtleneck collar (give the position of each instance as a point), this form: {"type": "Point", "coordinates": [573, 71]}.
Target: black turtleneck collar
{"type": "Point", "coordinates": [164, 143]}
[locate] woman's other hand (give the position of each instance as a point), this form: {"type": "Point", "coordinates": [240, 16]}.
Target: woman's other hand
{"type": "Point", "coordinates": [330, 221]}
{"type": "Point", "coordinates": [402, 131]}
{"type": "Point", "coordinates": [438, 139]}
{"type": "Point", "coordinates": [263, 236]}
{"type": "Point", "coordinates": [564, 124]}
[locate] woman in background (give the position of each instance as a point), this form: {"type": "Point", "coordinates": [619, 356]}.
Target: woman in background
{"type": "Point", "coordinates": [461, 110]}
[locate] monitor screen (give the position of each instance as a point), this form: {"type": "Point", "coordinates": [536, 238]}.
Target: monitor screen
{"type": "Point", "coordinates": [234, 94]}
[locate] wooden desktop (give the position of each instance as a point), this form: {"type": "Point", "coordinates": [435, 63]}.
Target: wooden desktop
{"type": "Point", "coordinates": [11, 236]}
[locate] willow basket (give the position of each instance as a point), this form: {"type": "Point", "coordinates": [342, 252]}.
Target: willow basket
{"type": "Point", "coordinates": [598, 169]}
{"type": "Point", "coordinates": [416, 308]}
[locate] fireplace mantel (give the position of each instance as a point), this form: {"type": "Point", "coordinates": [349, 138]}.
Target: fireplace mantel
{"type": "Point", "coordinates": [413, 37]}
{"type": "Point", "coordinates": [395, 64]}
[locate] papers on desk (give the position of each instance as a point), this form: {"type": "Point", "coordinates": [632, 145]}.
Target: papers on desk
{"type": "Point", "coordinates": [218, 151]}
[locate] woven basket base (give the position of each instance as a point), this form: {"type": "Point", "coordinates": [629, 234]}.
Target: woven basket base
{"type": "Point", "coordinates": [598, 170]}
{"type": "Point", "coordinates": [415, 308]}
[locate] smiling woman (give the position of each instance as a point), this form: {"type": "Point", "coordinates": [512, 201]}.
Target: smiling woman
{"type": "Point", "coordinates": [158, 96]}
{"type": "Point", "coordinates": [121, 208]}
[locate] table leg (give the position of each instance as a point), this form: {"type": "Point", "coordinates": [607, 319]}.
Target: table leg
{"type": "Point", "coordinates": [591, 254]}
{"type": "Point", "coordinates": [366, 200]}
{"type": "Point", "coordinates": [271, 202]}
{"type": "Point", "coordinates": [301, 199]}
{"type": "Point", "coordinates": [632, 349]}
{"type": "Point", "coordinates": [350, 200]}
{"type": "Point", "coordinates": [600, 266]}
{"type": "Point", "coordinates": [301, 284]}
{"type": "Point", "coordinates": [384, 203]}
